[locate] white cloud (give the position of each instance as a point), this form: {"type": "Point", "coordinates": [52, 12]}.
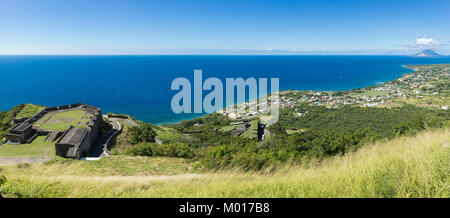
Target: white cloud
{"type": "Point", "coordinates": [424, 41]}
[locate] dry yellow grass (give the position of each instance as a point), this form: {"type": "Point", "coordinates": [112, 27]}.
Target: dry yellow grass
{"type": "Point", "coordinates": [416, 166]}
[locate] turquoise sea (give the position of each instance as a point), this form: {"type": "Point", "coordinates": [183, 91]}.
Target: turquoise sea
{"type": "Point", "coordinates": [140, 85]}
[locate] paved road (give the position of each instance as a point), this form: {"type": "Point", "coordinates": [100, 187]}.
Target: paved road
{"type": "Point", "coordinates": [98, 150]}
{"type": "Point", "coordinates": [131, 122]}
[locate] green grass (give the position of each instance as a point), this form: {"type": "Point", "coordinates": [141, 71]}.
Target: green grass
{"type": "Point", "coordinates": [252, 131]}
{"type": "Point", "coordinates": [427, 101]}
{"type": "Point", "coordinates": [415, 166]}
{"type": "Point", "coordinates": [227, 128]}
{"type": "Point", "coordinates": [36, 149]}
{"type": "Point", "coordinates": [117, 165]}
{"type": "Point", "coordinates": [29, 110]}
{"type": "Point", "coordinates": [292, 131]}
{"type": "Point", "coordinates": [168, 134]}
{"type": "Point", "coordinates": [61, 121]}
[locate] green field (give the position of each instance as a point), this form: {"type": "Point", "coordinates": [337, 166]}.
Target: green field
{"type": "Point", "coordinates": [29, 110]}
{"type": "Point", "coordinates": [413, 166]}
{"type": "Point", "coordinates": [252, 131]}
{"type": "Point", "coordinates": [427, 101]}
{"type": "Point", "coordinates": [167, 134]}
{"type": "Point", "coordinates": [37, 148]}
{"type": "Point", "coordinates": [227, 128]}
{"type": "Point", "coordinates": [117, 165]}
{"type": "Point", "coordinates": [61, 121]}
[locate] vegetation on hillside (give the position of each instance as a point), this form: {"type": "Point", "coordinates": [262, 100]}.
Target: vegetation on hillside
{"type": "Point", "coordinates": [408, 166]}
{"type": "Point", "coordinates": [142, 133]}
{"type": "Point", "coordinates": [325, 144]}
{"type": "Point", "coordinates": [5, 120]}
{"type": "Point", "coordinates": [29, 110]}
{"type": "Point", "coordinates": [37, 148]}
{"type": "Point", "coordinates": [321, 132]}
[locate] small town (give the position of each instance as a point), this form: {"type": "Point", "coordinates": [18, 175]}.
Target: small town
{"type": "Point", "coordinates": [426, 86]}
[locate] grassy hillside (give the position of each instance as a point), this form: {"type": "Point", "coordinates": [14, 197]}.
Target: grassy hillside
{"type": "Point", "coordinates": [6, 118]}
{"type": "Point", "coordinates": [164, 134]}
{"type": "Point", "coordinates": [413, 166]}
{"type": "Point", "coordinates": [29, 110]}
{"type": "Point", "coordinates": [35, 149]}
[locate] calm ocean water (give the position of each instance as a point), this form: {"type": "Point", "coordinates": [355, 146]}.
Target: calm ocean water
{"type": "Point", "coordinates": [140, 85]}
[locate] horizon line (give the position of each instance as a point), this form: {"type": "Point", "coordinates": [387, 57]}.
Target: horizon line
{"type": "Point", "coordinates": [209, 54]}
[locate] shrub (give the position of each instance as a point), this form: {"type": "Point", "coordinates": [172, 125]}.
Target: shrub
{"type": "Point", "coordinates": [173, 150]}
{"type": "Point", "coordinates": [143, 149]}
{"type": "Point", "coordinates": [169, 150]}
{"type": "Point", "coordinates": [142, 133]}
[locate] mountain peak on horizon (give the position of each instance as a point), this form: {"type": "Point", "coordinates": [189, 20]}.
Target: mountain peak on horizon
{"type": "Point", "coordinates": [427, 53]}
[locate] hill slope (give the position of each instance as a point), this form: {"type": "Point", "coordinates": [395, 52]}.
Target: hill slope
{"type": "Point", "coordinates": [415, 166]}
{"type": "Point", "coordinates": [427, 53]}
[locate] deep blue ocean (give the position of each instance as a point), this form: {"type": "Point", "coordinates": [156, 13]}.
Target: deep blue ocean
{"type": "Point", "coordinates": [140, 85]}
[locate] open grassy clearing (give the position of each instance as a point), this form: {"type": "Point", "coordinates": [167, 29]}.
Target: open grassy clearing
{"type": "Point", "coordinates": [415, 166]}
{"type": "Point", "coordinates": [108, 166]}
{"type": "Point", "coordinates": [227, 128]}
{"type": "Point", "coordinates": [29, 110]}
{"type": "Point", "coordinates": [252, 131]}
{"type": "Point", "coordinates": [167, 134]}
{"type": "Point", "coordinates": [61, 121]}
{"type": "Point", "coordinates": [292, 131]}
{"type": "Point", "coordinates": [427, 101]}
{"type": "Point", "coordinates": [37, 148]}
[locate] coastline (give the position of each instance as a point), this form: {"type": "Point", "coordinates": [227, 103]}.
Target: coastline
{"type": "Point", "coordinates": [144, 92]}
{"type": "Point", "coordinates": [286, 91]}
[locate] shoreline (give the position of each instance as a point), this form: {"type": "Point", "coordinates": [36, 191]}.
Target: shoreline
{"type": "Point", "coordinates": [287, 91]}
{"type": "Point", "coordinates": [194, 116]}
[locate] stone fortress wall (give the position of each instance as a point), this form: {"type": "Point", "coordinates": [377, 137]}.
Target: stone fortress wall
{"type": "Point", "coordinates": [72, 143]}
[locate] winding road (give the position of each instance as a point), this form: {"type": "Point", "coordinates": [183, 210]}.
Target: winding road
{"type": "Point", "coordinates": [98, 150]}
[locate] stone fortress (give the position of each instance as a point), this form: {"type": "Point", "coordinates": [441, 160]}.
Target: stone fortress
{"type": "Point", "coordinates": [74, 142]}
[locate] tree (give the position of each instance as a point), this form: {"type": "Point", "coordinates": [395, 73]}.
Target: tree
{"type": "Point", "coordinates": [277, 128]}
{"type": "Point", "coordinates": [142, 133]}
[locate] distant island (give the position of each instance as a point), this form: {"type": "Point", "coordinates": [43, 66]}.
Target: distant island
{"type": "Point", "coordinates": [427, 53]}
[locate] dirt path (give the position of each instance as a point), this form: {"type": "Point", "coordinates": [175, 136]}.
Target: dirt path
{"type": "Point", "coordinates": [22, 159]}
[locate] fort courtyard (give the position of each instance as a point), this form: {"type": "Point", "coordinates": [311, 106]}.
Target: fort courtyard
{"type": "Point", "coordinates": [72, 129]}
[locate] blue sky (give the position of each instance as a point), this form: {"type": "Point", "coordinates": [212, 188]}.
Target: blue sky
{"type": "Point", "coordinates": [223, 27]}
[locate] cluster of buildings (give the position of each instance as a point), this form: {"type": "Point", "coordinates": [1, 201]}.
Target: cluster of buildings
{"type": "Point", "coordinates": [414, 85]}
